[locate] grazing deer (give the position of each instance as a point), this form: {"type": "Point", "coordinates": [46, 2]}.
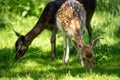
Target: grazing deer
{"type": "Point", "coordinates": [70, 19]}
{"type": "Point", "coordinates": [48, 21]}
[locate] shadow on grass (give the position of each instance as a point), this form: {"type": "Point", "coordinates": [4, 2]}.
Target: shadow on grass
{"type": "Point", "coordinates": [106, 62]}
{"type": "Point", "coordinates": [107, 59]}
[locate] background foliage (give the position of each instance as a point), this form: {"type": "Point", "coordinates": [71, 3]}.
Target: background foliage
{"type": "Point", "coordinates": [22, 15]}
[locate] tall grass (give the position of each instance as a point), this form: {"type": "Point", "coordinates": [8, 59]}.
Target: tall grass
{"type": "Point", "coordinates": [36, 63]}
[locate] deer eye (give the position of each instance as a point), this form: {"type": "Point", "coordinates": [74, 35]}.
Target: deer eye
{"type": "Point", "coordinates": [84, 59]}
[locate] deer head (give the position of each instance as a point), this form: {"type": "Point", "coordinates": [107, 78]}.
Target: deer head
{"type": "Point", "coordinates": [21, 46]}
{"type": "Point", "coordinates": [86, 54]}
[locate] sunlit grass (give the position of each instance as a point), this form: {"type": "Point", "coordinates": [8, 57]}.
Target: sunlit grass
{"type": "Point", "coordinates": [36, 63]}
{"type": "Point", "coordinates": [88, 76]}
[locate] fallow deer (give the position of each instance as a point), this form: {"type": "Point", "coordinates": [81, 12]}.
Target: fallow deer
{"type": "Point", "coordinates": [70, 19]}
{"type": "Point", "coordinates": [48, 21]}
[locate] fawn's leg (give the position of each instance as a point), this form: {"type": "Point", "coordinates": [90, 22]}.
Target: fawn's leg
{"type": "Point", "coordinates": [80, 57]}
{"type": "Point", "coordinates": [67, 41]}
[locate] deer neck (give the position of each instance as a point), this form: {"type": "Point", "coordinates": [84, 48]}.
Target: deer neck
{"type": "Point", "coordinates": [34, 32]}
{"type": "Point", "coordinates": [79, 39]}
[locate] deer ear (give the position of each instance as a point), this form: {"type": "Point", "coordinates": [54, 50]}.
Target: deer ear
{"type": "Point", "coordinates": [94, 42]}
{"type": "Point", "coordinates": [17, 34]}
{"type": "Point", "coordinates": [77, 46]}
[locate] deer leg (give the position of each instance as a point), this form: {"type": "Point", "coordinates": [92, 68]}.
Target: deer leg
{"type": "Point", "coordinates": [53, 43]}
{"type": "Point", "coordinates": [65, 48]}
{"type": "Point", "coordinates": [88, 23]}
{"type": "Point", "coordinates": [89, 29]}
{"type": "Point", "coordinates": [67, 42]}
{"type": "Point", "coordinates": [88, 26]}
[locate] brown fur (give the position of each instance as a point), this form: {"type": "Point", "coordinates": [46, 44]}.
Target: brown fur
{"type": "Point", "coordinates": [48, 21]}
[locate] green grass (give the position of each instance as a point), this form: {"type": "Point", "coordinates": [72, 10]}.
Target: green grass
{"type": "Point", "coordinates": [36, 63]}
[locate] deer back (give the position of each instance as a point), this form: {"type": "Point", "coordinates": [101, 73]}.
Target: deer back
{"type": "Point", "coordinates": [71, 17]}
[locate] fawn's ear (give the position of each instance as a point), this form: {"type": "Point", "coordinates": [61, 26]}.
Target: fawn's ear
{"type": "Point", "coordinates": [17, 34]}
{"type": "Point", "coordinates": [94, 42]}
{"type": "Point", "coordinates": [76, 45]}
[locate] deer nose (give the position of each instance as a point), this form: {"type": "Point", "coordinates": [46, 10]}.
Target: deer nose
{"type": "Point", "coordinates": [18, 55]}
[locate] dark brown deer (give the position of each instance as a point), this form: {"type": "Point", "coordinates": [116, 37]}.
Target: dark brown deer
{"type": "Point", "coordinates": [48, 21]}
{"type": "Point", "coordinates": [71, 19]}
